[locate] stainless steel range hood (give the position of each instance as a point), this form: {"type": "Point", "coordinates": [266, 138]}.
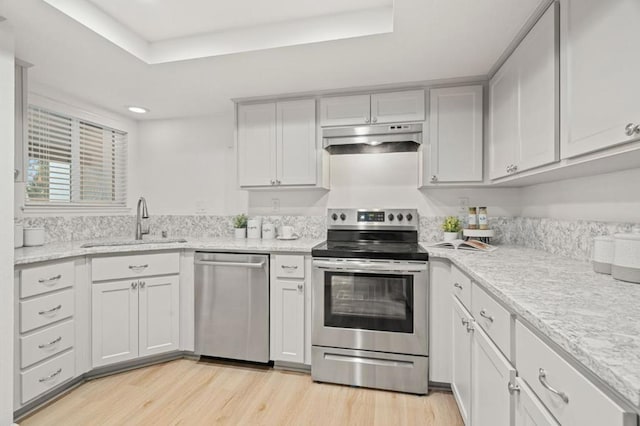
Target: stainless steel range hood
{"type": "Point", "coordinates": [372, 139]}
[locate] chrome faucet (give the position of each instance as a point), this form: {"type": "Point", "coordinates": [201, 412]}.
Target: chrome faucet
{"type": "Point", "coordinates": [139, 216]}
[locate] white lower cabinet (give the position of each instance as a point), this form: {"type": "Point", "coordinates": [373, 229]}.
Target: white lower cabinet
{"type": "Point", "coordinates": [159, 322]}
{"type": "Point", "coordinates": [528, 409]}
{"type": "Point", "coordinates": [290, 306]}
{"type": "Point", "coordinates": [461, 363]}
{"type": "Point", "coordinates": [440, 332]}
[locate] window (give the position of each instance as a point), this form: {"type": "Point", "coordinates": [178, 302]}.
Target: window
{"type": "Point", "coordinates": [74, 162]}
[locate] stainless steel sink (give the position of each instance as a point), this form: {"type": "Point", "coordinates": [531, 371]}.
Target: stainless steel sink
{"type": "Point", "coordinates": [133, 242]}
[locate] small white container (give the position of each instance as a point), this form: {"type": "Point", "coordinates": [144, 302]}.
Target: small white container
{"type": "Point", "coordinates": [268, 231]}
{"type": "Point", "coordinates": [33, 236]}
{"type": "Point", "coordinates": [18, 235]}
{"type": "Point", "coordinates": [603, 248]}
{"type": "Point", "coordinates": [240, 233]}
{"type": "Point", "coordinates": [450, 236]}
{"type": "Point", "coordinates": [254, 228]}
{"type": "Point", "coordinates": [626, 257]}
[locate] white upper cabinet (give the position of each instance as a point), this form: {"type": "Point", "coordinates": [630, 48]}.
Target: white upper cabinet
{"type": "Point", "coordinates": [600, 70]}
{"type": "Point", "coordinates": [378, 108]}
{"type": "Point", "coordinates": [523, 98]}
{"type": "Point", "coordinates": [296, 142]}
{"type": "Point", "coordinates": [345, 110]}
{"type": "Point", "coordinates": [256, 144]}
{"type": "Point", "coordinates": [277, 143]}
{"type": "Point", "coordinates": [455, 141]}
{"type": "Point", "coordinates": [396, 107]}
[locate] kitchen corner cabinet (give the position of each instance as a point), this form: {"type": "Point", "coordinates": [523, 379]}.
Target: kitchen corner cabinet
{"type": "Point", "coordinates": [377, 108]}
{"type": "Point", "coordinates": [277, 144]}
{"type": "Point", "coordinates": [455, 142]}
{"type": "Point", "coordinates": [523, 103]}
{"type": "Point", "coordinates": [599, 78]}
{"type": "Point", "coordinates": [135, 307]}
{"type": "Point", "coordinates": [289, 308]}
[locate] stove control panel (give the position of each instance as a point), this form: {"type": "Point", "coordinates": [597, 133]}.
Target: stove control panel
{"type": "Point", "coordinates": [406, 219]}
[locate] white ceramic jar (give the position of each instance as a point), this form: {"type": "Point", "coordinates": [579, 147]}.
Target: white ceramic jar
{"type": "Point", "coordinates": [254, 228]}
{"type": "Point", "coordinates": [268, 231]}
{"type": "Point", "coordinates": [33, 236]}
{"type": "Point", "coordinates": [626, 257]}
{"type": "Point", "coordinates": [603, 248]}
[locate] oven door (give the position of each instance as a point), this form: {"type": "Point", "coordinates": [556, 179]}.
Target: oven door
{"type": "Point", "coordinates": [370, 305]}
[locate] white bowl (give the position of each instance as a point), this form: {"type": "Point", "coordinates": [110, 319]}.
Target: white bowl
{"type": "Point", "coordinates": [626, 257]}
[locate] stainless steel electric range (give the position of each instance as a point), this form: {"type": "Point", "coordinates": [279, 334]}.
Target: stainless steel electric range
{"type": "Point", "coordinates": [370, 290]}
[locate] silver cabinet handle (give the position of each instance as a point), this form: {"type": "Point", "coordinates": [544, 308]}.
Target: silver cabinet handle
{"type": "Point", "coordinates": [509, 169]}
{"type": "Point", "coordinates": [300, 287]}
{"type": "Point", "coordinates": [50, 376]}
{"type": "Point", "coordinates": [51, 343]}
{"type": "Point", "coordinates": [134, 285]}
{"type": "Point", "coordinates": [470, 327]}
{"type": "Point", "coordinates": [483, 314]}
{"type": "Point", "coordinates": [137, 268]}
{"type": "Point", "coordinates": [50, 311]}
{"type": "Point", "coordinates": [278, 182]}
{"type": "Point", "coordinates": [465, 321]}
{"type": "Point", "coordinates": [513, 388]}
{"type": "Point", "coordinates": [230, 264]}
{"type": "Point", "coordinates": [142, 284]}
{"type": "Point", "coordinates": [632, 129]}
{"type": "Point", "coordinates": [514, 168]}
{"type": "Point", "coordinates": [542, 376]}
{"type": "Point", "coordinates": [47, 281]}
{"type": "Point", "coordinates": [294, 267]}
{"type": "Point", "coordinates": [434, 178]}
{"type": "Point", "coordinates": [457, 285]}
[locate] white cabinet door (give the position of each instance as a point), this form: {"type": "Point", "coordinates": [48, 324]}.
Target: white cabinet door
{"type": "Point", "coordinates": [114, 322]}
{"type": "Point", "coordinates": [537, 58]}
{"type": "Point", "coordinates": [159, 316]}
{"type": "Point", "coordinates": [461, 363]}
{"type": "Point", "coordinates": [257, 144]}
{"type": "Point", "coordinates": [345, 110]}
{"type": "Point", "coordinates": [503, 119]}
{"type": "Point", "coordinates": [296, 142]}
{"type": "Point", "coordinates": [440, 321]}
{"type": "Point", "coordinates": [529, 411]}
{"type": "Point", "coordinates": [491, 374]}
{"type": "Point", "coordinates": [287, 316]}
{"type": "Point", "coordinates": [599, 77]}
{"type": "Point", "coordinates": [455, 135]}
{"type": "Point", "coordinates": [397, 107]}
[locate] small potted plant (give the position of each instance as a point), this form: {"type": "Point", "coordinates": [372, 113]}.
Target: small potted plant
{"type": "Point", "coordinates": [451, 227]}
{"type": "Point", "coordinates": [240, 225]}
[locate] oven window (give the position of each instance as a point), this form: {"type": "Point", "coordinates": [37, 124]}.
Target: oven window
{"type": "Point", "coordinates": [368, 301]}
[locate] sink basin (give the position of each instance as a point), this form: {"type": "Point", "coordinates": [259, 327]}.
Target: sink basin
{"type": "Point", "coordinates": [133, 242]}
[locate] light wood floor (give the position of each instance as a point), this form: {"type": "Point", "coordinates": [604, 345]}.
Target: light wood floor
{"type": "Point", "coordinates": [188, 392]}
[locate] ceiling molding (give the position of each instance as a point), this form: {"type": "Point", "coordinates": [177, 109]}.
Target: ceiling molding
{"type": "Point", "coordinates": [340, 26]}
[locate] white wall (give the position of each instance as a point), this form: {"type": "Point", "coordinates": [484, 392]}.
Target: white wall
{"type": "Point", "coordinates": [6, 223]}
{"type": "Point", "coordinates": [611, 197]}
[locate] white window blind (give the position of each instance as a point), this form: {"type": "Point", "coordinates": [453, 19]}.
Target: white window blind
{"type": "Point", "coordinates": [71, 161]}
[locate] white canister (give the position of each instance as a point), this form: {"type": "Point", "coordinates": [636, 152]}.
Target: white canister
{"type": "Point", "coordinates": [254, 228]}
{"type": "Point", "coordinates": [603, 254]}
{"type": "Point", "coordinates": [268, 231]}
{"type": "Point", "coordinates": [18, 235]}
{"type": "Point", "coordinates": [33, 236]}
{"type": "Point", "coordinates": [626, 257]}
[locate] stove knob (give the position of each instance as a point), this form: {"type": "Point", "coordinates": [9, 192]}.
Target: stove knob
{"type": "Point", "coordinates": [409, 217]}
{"type": "Point", "coordinates": [399, 216]}
{"type": "Point", "coordinates": [334, 216]}
{"type": "Point", "coordinates": [390, 217]}
{"type": "Point", "coordinates": [343, 216]}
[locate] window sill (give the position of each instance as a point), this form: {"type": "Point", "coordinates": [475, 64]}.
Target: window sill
{"type": "Point", "coordinates": [95, 210]}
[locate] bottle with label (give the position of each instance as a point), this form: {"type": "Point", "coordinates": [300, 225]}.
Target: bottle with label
{"type": "Point", "coordinates": [473, 218]}
{"type": "Point", "coordinates": [483, 221]}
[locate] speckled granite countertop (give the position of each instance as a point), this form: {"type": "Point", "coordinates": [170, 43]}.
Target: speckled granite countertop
{"type": "Point", "coordinates": [55, 251]}
{"type": "Point", "coordinates": [593, 317]}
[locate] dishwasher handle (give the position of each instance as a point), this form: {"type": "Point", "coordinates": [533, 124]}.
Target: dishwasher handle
{"type": "Point", "coordinates": [258, 265]}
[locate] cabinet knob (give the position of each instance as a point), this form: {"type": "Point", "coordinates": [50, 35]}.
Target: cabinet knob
{"type": "Point", "coordinates": [513, 388]}
{"type": "Point", "coordinates": [632, 129]}
{"type": "Point", "coordinates": [374, 120]}
{"type": "Point", "coordinates": [434, 178]}
{"type": "Point", "coordinates": [366, 119]}
{"type": "Point", "coordinates": [278, 182]}
{"type": "Point", "coordinates": [142, 284]}
{"type": "Point", "coordinates": [300, 287]}
{"type": "Point", "coordinates": [134, 285]}
{"type": "Point", "coordinates": [514, 168]}
{"type": "Point", "coordinates": [273, 182]}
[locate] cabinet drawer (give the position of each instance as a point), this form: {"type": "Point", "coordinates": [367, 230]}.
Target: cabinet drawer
{"type": "Point", "coordinates": [46, 278]}
{"type": "Point", "coordinates": [45, 310]}
{"type": "Point", "coordinates": [131, 266]}
{"type": "Point", "coordinates": [46, 343]}
{"type": "Point", "coordinates": [289, 266]}
{"type": "Point", "coordinates": [582, 402]}
{"type": "Point", "coordinates": [494, 319]}
{"type": "Point", "coordinates": [44, 377]}
{"type": "Point", "coordinates": [461, 286]}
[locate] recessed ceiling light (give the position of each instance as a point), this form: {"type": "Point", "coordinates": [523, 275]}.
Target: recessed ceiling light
{"type": "Point", "coordinates": [138, 110]}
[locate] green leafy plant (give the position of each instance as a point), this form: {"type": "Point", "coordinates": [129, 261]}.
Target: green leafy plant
{"type": "Point", "coordinates": [451, 224]}
{"type": "Point", "coordinates": [240, 221]}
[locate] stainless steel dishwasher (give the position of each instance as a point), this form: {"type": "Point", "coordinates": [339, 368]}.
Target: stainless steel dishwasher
{"type": "Point", "coordinates": [232, 306]}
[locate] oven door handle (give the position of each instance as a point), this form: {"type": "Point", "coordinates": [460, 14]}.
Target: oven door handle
{"type": "Point", "coordinates": [368, 267]}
